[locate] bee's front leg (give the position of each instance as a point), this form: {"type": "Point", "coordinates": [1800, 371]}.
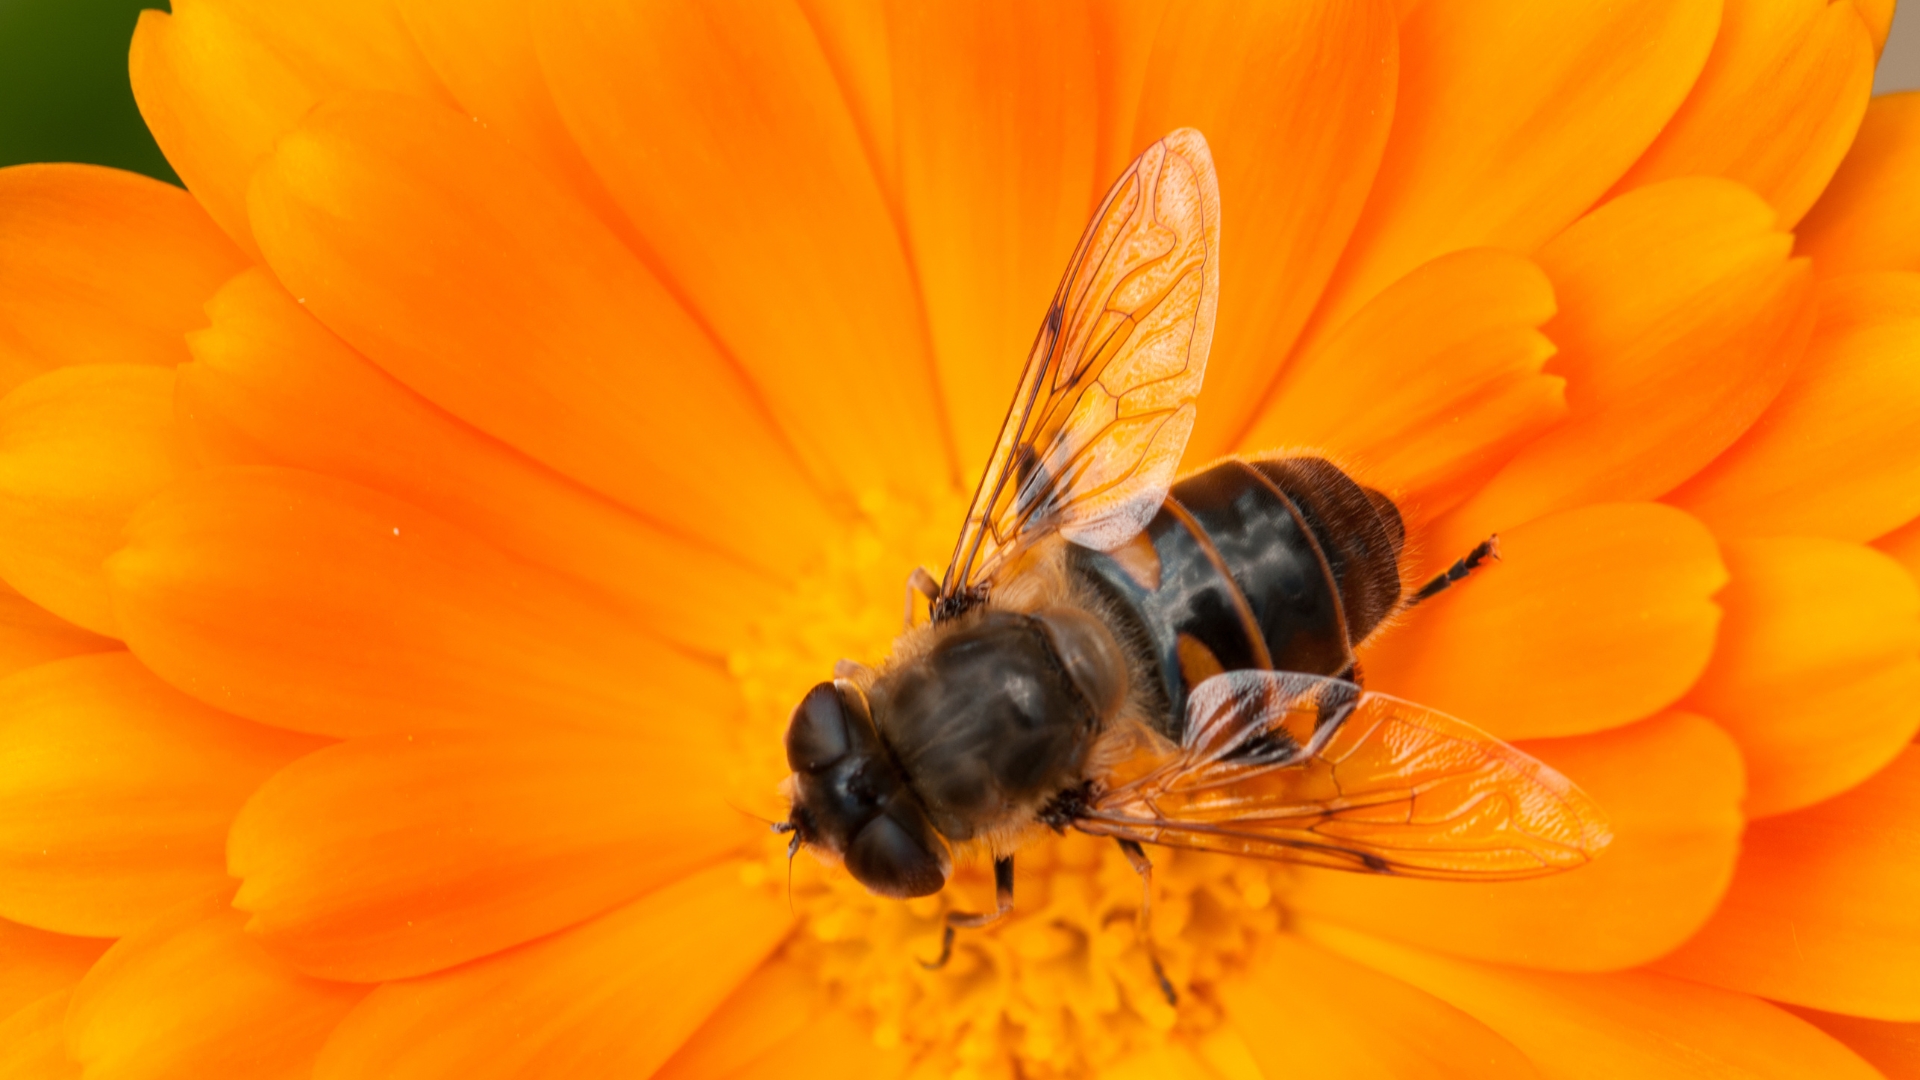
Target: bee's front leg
{"type": "Point", "coordinates": [1137, 856]}
{"type": "Point", "coordinates": [1003, 903]}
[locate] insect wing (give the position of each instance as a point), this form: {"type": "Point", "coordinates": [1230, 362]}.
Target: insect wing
{"type": "Point", "coordinates": [1106, 401]}
{"type": "Point", "coordinates": [1306, 769]}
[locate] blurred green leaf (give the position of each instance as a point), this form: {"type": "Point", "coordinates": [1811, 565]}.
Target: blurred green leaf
{"type": "Point", "coordinates": [64, 94]}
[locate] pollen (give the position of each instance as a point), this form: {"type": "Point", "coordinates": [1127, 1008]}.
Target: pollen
{"type": "Point", "coordinates": [1064, 984]}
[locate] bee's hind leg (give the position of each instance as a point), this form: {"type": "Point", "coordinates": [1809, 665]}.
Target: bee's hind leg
{"type": "Point", "coordinates": [956, 920]}
{"type": "Point", "coordinates": [920, 583]}
{"type": "Point", "coordinates": [1484, 550]}
{"type": "Point", "coordinates": [1143, 866]}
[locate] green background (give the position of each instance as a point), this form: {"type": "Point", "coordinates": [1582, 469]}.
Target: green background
{"type": "Point", "coordinates": [64, 94]}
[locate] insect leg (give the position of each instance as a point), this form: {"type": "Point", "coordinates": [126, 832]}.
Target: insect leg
{"type": "Point", "coordinates": [1003, 903]}
{"type": "Point", "coordinates": [1486, 549]}
{"type": "Point", "coordinates": [922, 583]}
{"type": "Point", "coordinates": [1143, 866]}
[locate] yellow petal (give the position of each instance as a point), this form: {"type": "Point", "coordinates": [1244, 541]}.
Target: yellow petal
{"type": "Point", "coordinates": [270, 385]}
{"type": "Point", "coordinates": [1629, 1024]}
{"type": "Point", "coordinates": [614, 997]}
{"type": "Point", "coordinates": [1514, 116]}
{"type": "Point", "coordinates": [193, 996]}
{"type": "Point", "coordinates": [219, 81]}
{"type": "Point", "coordinates": [1835, 454]}
{"type": "Point", "coordinates": [997, 118]}
{"type": "Point", "coordinates": [310, 603]}
{"type": "Point", "coordinates": [1894, 1049]}
{"type": "Point", "coordinates": [1777, 105]}
{"type": "Point", "coordinates": [1295, 101]}
{"type": "Point", "coordinates": [30, 635]}
{"type": "Point", "coordinates": [394, 856]}
{"type": "Point", "coordinates": [1431, 386]}
{"type": "Point", "coordinates": [35, 963]}
{"type": "Point", "coordinates": [1680, 318]}
{"type": "Point", "coordinates": [116, 792]}
{"type": "Point", "coordinates": [1671, 790]}
{"type": "Point", "coordinates": [721, 130]}
{"type": "Point", "coordinates": [1362, 1024]}
{"type": "Point", "coordinates": [33, 1041]}
{"type": "Point", "coordinates": [1878, 16]}
{"type": "Point", "coordinates": [1825, 909]}
{"type": "Point", "coordinates": [1817, 670]}
{"type": "Point", "coordinates": [1868, 218]}
{"type": "Point", "coordinates": [100, 267]}
{"type": "Point", "coordinates": [1592, 618]}
{"type": "Point", "coordinates": [80, 449]}
{"type": "Point", "coordinates": [436, 251]}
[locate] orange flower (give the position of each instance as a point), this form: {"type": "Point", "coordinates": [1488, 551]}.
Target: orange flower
{"type": "Point", "coordinates": [430, 521]}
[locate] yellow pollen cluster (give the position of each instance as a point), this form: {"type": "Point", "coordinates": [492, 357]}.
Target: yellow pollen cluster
{"type": "Point", "coordinates": [1064, 984]}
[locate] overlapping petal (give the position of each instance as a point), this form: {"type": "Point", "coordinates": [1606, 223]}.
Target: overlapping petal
{"type": "Point", "coordinates": [1817, 669]}
{"type": "Point", "coordinates": [193, 995]}
{"type": "Point", "coordinates": [100, 266]}
{"type": "Point", "coordinates": [80, 449]}
{"type": "Point", "coordinates": [311, 603]}
{"type": "Point", "coordinates": [1825, 908]}
{"type": "Point", "coordinates": [1671, 787]}
{"type": "Point", "coordinates": [36, 963]}
{"type": "Point", "coordinates": [394, 856]}
{"type": "Point", "coordinates": [1594, 617]}
{"type": "Point", "coordinates": [31, 635]}
{"type": "Point", "coordinates": [1892, 1048]}
{"type": "Point", "coordinates": [116, 791]}
{"type": "Point", "coordinates": [1867, 219]}
{"type": "Point", "coordinates": [33, 1041]}
{"type": "Point", "coordinates": [615, 996]}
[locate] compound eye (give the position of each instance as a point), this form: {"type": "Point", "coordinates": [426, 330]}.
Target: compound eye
{"type": "Point", "coordinates": [889, 859]}
{"type": "Point", "coordinates": [817, 736]}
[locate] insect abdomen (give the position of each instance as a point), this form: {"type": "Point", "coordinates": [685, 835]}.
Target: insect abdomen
{"type": "Point", "coordinates": [1283, 563]}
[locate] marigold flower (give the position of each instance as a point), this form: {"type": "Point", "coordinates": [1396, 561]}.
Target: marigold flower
{"type": "Point", "coordinates": [417, 536]}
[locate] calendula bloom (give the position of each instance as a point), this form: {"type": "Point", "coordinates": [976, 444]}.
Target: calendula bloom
{"type": "Point", "coordinates": [418, 535]}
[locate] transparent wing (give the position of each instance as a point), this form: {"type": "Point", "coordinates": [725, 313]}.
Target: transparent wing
{"type": "Point", "coordinates": [1281, 765]}
{"type": "Point", "coordinates": [1106, 401]}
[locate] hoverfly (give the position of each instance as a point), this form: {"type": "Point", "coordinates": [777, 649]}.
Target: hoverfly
{"type": "Point", "coordinates": [1156, 661]}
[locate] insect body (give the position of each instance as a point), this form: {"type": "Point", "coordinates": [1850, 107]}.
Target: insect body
{"type": "Point", "coordinates": [1160, 662]}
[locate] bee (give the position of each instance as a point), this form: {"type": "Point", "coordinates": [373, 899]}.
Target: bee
{"type": "Point", "coordinates": [1155, 661]}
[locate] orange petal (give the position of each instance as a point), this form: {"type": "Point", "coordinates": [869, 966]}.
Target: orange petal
{"type": "Point", "coordinates": [1878, 16]}
{"type": "Point", "coordinates": [1894, 1049]}
{"type": "Point", "coordinates": [394, 856]}
{"type": "Point", "coordinates": [219, 81]}
{"type": "Point", "coordinates": [30, 635]}
{"type": "Point", "coordinates": [33, 1041]}
{"type": "Point", "coordinates": [1362, 1023]}
{"type": "Point", "coordinates": [853, 38]}
{"type": "Point", "coordinates": [1868, 218]}
{"type": "Point", "coordinates": [722, 132]}
{"type": "Point", "coordinates": [1817, 670]}
{"type": "Point", "coordinates": [1124, 33]}
{"type": "Point", "coordinates": [1835, 454]}
{"type": "Point", "coordinates": [1433, 384]}
{"type": "Point", "coordinates": [1592, 618]}
{"type": "Point", "coordinates": [310, 603]}
{"type": "Point", "coordinates": [1628, 1024]}
{"type": "Point", "coordinates": [1295, 101]}
{"type": "Point", "coordinates": [997, 119]}
{"type": "Point", "coordinates": [191, 995]}
{"type": "Point", "coordinates": [1904, 545]}
{"type": "Point", "coordinates": [482, 51]}
{"type": "Point", "coordinates": [35, 963]}
{"type": "Point", "coordinates": [1513, 117]}
{"type": "Point", "coordinates": [117, 804]}
{"type": "Point", "coordinates": [80, 448]}
{"type": "Point", "coordinates": [272, 386]}
{"type": "Point", "coordinates": [1680, 319]}
{"type": "Point", "coordinates": [1776, 106]}
{"type": "Point", "coordinates": [835, 1046]}
{"type": "Point", "coordinates": [779, 1002]}
{"type": "Point", "coordinates": [442, 256]}
{"type": "Point", "coordinates": [1825, 909]}
{"type": "Point", "coordinates": [1671, 790]}
{"type": "Point", "coordinates": [100, 266]}
{"type": "Point", "coordinates": [614, 997]}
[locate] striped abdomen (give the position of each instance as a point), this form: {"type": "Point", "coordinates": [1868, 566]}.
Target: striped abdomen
{"type": "Point", "coordinates": [1284, 564]}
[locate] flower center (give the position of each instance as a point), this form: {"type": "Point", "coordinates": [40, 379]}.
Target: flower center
{"type": "Point", "coordinates": [1063, 984]}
